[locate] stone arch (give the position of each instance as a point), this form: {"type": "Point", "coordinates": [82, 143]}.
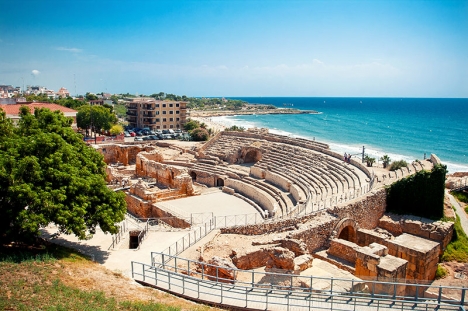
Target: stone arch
{"type": "Point", "coordinates": [193, 175]}
{"type": "Point", "coordinates": [251, 155]}
{"type": "Point", "coordinates": [219, 182]}
{"type": "Point", "coordinates": [346, 230]}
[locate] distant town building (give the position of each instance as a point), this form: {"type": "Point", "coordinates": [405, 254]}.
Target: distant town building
{"type": "Point", "coordinates": [8, 91]}
{"type": "Point", "coordinates": [63, 92]}
{"type": "Point", "coordinates": [100, 102]}
{"type": "Point", "coordinates": [156, 114]}
{"type": "Point", "coordinates": [12, 111]}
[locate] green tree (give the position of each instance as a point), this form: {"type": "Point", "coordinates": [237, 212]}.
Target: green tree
{"type": "Point", "coordinates": [199, 134]}
{"type": "Point", "coordinates": [115, 99]}
{"type": "Point", "coordinates": [116, 129]}
{"type": "Point", "coordinates": [49, 175]}
{"type": "Point", "coordinates": [369, 161]}
{"type": "Point", "coordinates": [97, 118]}
{"type": "Point", "coordinates": [191, 125]}
{"type": "Point", "coordinates": [385, 160]}
{"type": "Point", "coordinates": [90, 96]}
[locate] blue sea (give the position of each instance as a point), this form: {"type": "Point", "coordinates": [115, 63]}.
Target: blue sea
{"type": "Point", "coordinates": [403, 128]}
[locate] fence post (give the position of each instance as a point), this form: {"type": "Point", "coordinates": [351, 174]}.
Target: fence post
{"type": "Point", "coordinates": [133, 276]}
{"type": "Point", "coordinates": [163, 261]}
{"type": "Point", "coordinates": [175, 264]}
{"type": "Point", "coordinates": [462, 301]}
{"type": "Point", "coordinates": [440, 294]}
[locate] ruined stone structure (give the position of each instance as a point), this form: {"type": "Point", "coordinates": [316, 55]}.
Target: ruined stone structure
{"type": "Point", "coordinates": [286, 179]}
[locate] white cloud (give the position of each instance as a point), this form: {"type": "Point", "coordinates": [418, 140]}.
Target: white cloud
{"type": "Point", "coordinates": [35, 72]}
{"type": "Point", "coordinates": [73, 50]}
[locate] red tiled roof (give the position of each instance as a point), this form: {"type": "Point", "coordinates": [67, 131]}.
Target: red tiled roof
{"type": "Point", "coordinates": [14, 109]}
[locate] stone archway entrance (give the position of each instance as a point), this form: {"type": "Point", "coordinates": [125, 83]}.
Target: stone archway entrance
{"type": "Point", "coordinates": [219, 182]}
{"type": "Point", "coordinates": [348, 233]}
{"type": "Point", "coordinates": [346, 230]}
{"type": "Point", "coordinates": [252, 156]}
{"type": "Point", "coordinates": [193, 175]}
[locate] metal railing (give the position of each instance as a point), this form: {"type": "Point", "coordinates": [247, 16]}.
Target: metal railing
{"type": "Point", "coordinates": [459, 184]}
{"type": "Point", "coordinates": [267, 291]}
{"type": "Point", "coordinates": [116, 238]}
{"type": "Point", "coordinates": [143, 233]}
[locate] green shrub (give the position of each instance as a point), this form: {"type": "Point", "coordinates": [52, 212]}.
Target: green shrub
{"type": "Point", "coordinates": [457, 249]}
{"type": "Point", "coordinates": [421, 194]}
{"type": "Point", "coordinates": [199, 134]}
{"type": "Point", "coordinates": [461, 196]}
{"type": "Point", "coordinates": [441, 272]}
{"type": "Point", "coordinates": [397, 165]}
{"type": "Point", "coordinates": [235, 128]}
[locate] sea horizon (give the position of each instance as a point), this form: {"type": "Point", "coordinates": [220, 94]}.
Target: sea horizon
{"type": "Point", "coordinates": [403, 128]}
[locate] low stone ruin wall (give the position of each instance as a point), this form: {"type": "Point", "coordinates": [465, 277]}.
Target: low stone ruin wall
{"type": "Point", "coordinates": [125, 154]}
{"type": "Point", "coordinates": [315, 229]}
{"type": "Point", "coordinates": [434, 230]}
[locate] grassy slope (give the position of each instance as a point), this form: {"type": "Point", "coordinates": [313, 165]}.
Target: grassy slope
{"type": "Point", "coordinates": [56, 278]}
{"type": "Point", "coordinates": [457, 249]}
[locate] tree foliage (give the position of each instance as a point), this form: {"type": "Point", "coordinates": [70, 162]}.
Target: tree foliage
{"type": "Point", "coordinates": [199, 134]}
{"type": "Point", "coordinates": [385, 160]}
{"type": "Point", "coordinates": [49, 175]}
{"type": "Point", "coordinates": [95, 117]}
{"type": "Point", "coordinates": [397, 165]}
{"type": "Point", "coordinates": [191, 125]}
{"type": "Point", "coordinates": [420, 194]}
{"type": "Point", "coordinates": [116, 129]}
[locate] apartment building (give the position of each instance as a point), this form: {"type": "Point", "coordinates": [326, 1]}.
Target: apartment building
{"type": "Point", "coordinates": [156, 114]}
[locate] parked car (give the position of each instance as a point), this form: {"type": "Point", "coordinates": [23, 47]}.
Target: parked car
{"type": "Point", "coordinates": [138, 139]}
{"type": "Point", "coordinates": [132, 134]}
{"type": "Point", "coordinates": [146, 138]}
{"type": "Point", "coordinates": [154, 137]}
{"type": "Point", "coordinates": [126, 134]}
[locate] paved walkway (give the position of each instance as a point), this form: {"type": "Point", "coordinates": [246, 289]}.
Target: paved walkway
{"type": "Point", "coordinates": [120, 258]}
{"type": "Point", "coordinates": [261, 298]}
{"type": "Point", "coordinates": [460, 212]}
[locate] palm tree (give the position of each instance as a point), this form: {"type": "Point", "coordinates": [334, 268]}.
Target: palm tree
{"type": "Point", "coordinates": [385, 160]}
{"type": "Point", "coordinates": [370, 161]}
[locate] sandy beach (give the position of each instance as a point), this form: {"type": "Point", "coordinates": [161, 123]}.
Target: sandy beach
{"type": "Point", "coordinates": [215, 126]}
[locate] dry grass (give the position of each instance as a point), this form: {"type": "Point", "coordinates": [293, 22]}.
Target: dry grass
{"type": "Point", "coordinates": [71, 282]}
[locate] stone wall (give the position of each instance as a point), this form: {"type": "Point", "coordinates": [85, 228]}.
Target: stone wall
{"type": "Point", "coordinates": [120, 153]}
{"type": "Point", "coordinates": [255, 194]}
{"type": "Point", "coordinates": [343, 249]}
{"type": "Point", "coordinates": [167, 175]}
{"type": "Point", "coordinates": [365, 211]}
{"type": "Point", "coordinates": [434, 230]}
{"type": "Point", "coordinates": [422, 255]}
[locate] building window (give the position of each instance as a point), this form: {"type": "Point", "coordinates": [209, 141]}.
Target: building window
{"type": "Point", "coordinates": [172, 126]}
{"type": "Point", "coordinates": [164, 126]}
{"type": "Point", "coordinates": [164, 112]}
{"type": "Point", "coordinates": [157, 105]}
{"type": "Point", "coordinates": [177, 105]}
{"type": "Point", "coordinates": [158, 127]}
{"type": "Point", "coordinates": [157, 112]}
{"type": "Point", "coordinates": [164, 105]}
{"type": "Point", "coordinates": [164, 119]}
{"type": "Point", "coordinates": [177, 112]}
{"type": "Point", "coordinates": [157, 120]}
{"type": "Point", "coordinates": [171, 119]}
{"type": "Point", "coordinates": [171, 112]}
{"type": "Point", "coordinates": [177, 119]}
{"type": "Point", "coordinates": [171, 105]}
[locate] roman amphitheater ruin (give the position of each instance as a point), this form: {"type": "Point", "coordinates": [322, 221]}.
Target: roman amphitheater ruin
{"type": "Point", "coordinates": [309, 214]}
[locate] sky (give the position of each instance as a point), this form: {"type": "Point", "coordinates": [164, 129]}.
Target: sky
{"type": "Point", "coordinates": [238, 48]}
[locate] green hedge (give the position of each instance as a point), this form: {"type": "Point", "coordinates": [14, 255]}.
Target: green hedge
{"type": "Point", "coordinates": [421, 194]}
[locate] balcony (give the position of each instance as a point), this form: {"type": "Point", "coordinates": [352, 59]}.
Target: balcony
{"type": "Point", "coordinates": [131, 113]}
{"type": "Point", "coordinates": [132, 107]}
